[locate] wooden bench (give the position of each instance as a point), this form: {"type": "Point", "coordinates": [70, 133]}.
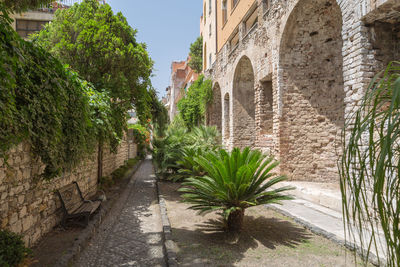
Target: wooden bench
{"type": "Point", "coordinates": [74, 205]}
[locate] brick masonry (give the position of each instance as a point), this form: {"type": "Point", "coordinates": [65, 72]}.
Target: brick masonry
{"type": "Point", "coordinates": [28, 205]}
{"type": "Point", "coordinates": [292, 80]}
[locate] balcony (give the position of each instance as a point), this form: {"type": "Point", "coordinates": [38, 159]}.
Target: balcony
{"type": "Point", "coordinates": [61, 4]}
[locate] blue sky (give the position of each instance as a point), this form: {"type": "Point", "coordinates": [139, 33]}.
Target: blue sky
{"type": "Point", "coordinates": [168, 27]}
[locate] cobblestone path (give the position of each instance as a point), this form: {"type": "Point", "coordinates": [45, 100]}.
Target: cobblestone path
{"type": "Point", "coordinates": [131, 235]}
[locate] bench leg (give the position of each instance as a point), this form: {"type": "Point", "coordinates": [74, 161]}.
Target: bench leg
{"type": "Point", "coordinates": [87, 219]}
{"type": "Point", "coordinates": [64, 222]}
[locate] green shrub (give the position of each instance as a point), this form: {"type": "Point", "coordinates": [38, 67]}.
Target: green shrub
{"type": "Point", "coordinates": [233, 182]}
{"type": "Point", "coordinates": [172, 153]}
{"type": "Point", "coordinates": [12, 249]}
{"type": "Point", "coordinates": [119, 173]}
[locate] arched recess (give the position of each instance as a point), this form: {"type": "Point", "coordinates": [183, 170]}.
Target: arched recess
{"type": "Point", "coordinates": [227, 115]}
{"type": "Point", "coordinates": [243, 104]}
{"type": "Point", "coordinates": [312, 119]}
{"type": "Point", "coordinates": [214, 109]}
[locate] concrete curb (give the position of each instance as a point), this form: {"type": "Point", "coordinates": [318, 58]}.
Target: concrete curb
{"type": "Point", "coordinates": [170, 246]}
{"type": "Point", "coordinates": [318, 231]}
{"type": "Point", "coordinates": [84, 238]}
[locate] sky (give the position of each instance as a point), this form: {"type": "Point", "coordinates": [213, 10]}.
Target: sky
{"type": "Point", "coordinates": [168, 27]}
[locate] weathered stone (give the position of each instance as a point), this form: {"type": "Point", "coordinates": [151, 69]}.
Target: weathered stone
{"type": "Point", "coordinates": [22, 212]}
{"type": "Point", "coordinates": [29, 206]}
{"type": "Point", "coordinates": [291, 81]}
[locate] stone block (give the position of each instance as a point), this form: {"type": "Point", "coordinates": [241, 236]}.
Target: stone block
{"type": "Point", "coordinates": [27, 222]}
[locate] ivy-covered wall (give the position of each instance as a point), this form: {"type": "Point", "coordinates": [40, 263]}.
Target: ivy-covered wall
{"type": "Point", "coordinates": [30, 206]}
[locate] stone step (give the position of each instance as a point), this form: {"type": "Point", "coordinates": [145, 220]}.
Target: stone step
{"type": "Point", "coordinates": [327, 195]}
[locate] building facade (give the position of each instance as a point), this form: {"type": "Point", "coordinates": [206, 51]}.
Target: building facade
{"type": "Point", "coordinates": [33, 21]}
{"type": "Point", "coordinates": [288, 72]}
{"type": "Point", "coordinates": [208, 30]}
{"type": "Point", "coordinates": [182, 77]}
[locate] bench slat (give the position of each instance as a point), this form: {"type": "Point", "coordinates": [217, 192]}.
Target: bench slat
{"type": "Point", "coordinates": [71, 197]}
{"type": "Point", "coordinates": [88, 207]}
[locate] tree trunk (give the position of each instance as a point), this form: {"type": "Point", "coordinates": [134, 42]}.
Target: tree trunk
{"type": "Point", "coordinates": [235, 220]}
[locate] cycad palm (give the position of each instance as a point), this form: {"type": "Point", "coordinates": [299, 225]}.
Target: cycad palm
{"type": "Point", "coordinates": [234, 182]}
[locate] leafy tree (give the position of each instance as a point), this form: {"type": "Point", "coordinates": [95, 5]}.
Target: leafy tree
{"type": "Point", "coordinates": [102, 47]}
{"type": "Point", "coordinates": [196, 55]}
{"type": "Point", "coordinates": [194, 105]}
{"type": "Point", "coordinates": [233, 182]}
{"type": "Point", "coordinates": [46, 104]}
{"type": "Point", "coordinates": [369, 168]}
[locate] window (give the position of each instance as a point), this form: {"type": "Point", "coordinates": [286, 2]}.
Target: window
{"type": "Point", "coordinates": [265, 5]}
{"type": "Point", "coordinates": [205, 57]}
{"type": "Point", "coordinates": [210, 30]}
{"type": "Point", "coordinates": [234, 3]}
{"type": "Point", "coordinates": [234, 41]}
{"type": "Point", "coordinates": [209, 6]}
{"type": "Point", "coordinates": [26, 27]}
{"type": "Point", "coordinates": [209, 59]}
{"type": "Point", "coordinates": [204, 12]}
{"type": "Point", "coordinates": [251, 21]}
{"type": "Point", "coordinates": [224, 12]}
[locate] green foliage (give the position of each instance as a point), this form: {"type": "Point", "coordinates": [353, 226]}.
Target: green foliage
{"type": "Point", "coordinates": [108, 181]}
{"type": "Point", "coordinates": [102, 47]}
{"type": "Point", "coordinates": [194, 105]}
{"type": "Point", "coordinates": [196, 55]}
{"type": "Point", "coordinates": [172, 153]}
{"type": "Point", "coordinates": [12, 249]}
{"type": "Point", "coordinates": [140, 133]}
{"type": "Point", "coordinates": [160, 116]}
{"type": "Point", "coordinates": [21, 5]}
{"type": "Point", "coordinates": [48, 105]}
{"type": "Point", "coordinates": [142, 138]}
{"type": "Point", "coordinates": [369, 167]}
{"type": "Point", "coordinates": [233, 182]}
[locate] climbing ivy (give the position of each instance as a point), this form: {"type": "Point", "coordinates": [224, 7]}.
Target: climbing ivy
{"type": "Point", "coordinates": [45, 103]}
{"type": "Point", "coordinates": [192, 106]}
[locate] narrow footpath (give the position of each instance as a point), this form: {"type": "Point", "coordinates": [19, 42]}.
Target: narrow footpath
{"type": "Point", "coordinates": [131, 235]}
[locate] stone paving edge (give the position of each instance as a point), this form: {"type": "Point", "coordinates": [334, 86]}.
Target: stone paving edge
{"type": "Point", "coordinates": [83, 240]}
{"type": "Point", "coordinates": [170, 247]}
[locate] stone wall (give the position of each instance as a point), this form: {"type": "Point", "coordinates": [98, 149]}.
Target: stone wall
{"type": "Point", "coordinates": [214, 110]}
{"type": "Point", "coordinates": [29, 205]}
{"type": "Point", "coordinates": [312, 61]}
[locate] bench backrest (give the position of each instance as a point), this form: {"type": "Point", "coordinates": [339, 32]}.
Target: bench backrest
{"type": "Point", "coordinates": [71, 197]}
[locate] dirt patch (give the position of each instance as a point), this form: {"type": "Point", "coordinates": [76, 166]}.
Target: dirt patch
{"type": "Point", "coordinates": [61, 241]}
{"type": "Point", "coordinates": [268, 239]}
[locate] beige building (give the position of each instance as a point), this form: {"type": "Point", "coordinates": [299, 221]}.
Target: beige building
{"type": "Point", "coordinates": [32, 21]}
{"type": "Point", "coordinates": [288, 73]}
{"type": "Point", "coordinates": [208, 30]}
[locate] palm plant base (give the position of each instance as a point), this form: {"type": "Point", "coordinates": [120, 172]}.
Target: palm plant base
{"type": "Point", "coordinates": [235, 221]}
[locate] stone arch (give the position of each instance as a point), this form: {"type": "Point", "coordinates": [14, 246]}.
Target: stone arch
{"type": "Point", "coordinates": [227, 115]}
{"type": "Point", "coordinates": [214, 109]}
{"type": "Point", "coordinates": [312, 91]}
{"type": "Point", "coordinates": [243, 104]}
